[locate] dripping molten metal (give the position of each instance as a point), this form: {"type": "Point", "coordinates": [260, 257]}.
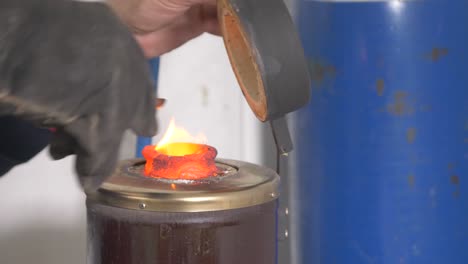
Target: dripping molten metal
{"type": "Point", "coordinates": [176, 157]}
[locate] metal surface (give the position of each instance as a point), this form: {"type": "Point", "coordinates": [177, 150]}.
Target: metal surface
{"type": "Point", "coordinates": [267, 58]}
{"type": "Point", "coordinates": [266, 55]}
{"type": "Point", "coordinates": [287, 199]}
{"type": "Point", "coordinates": [124, 236]}
{"type": "Point", "coordinates": [285, 227]}
{"type": "Point", "coordinates": [243, 185]}
{"type": "Point", "coordinates": [281, 135]}
{"type": "Point", "coordinates": [229, 219]}
{"type": "Point", "coordinates": [383, 146]}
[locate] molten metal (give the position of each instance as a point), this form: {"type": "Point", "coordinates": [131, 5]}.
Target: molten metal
{"type": "Point", "coordinates": [187, 161]}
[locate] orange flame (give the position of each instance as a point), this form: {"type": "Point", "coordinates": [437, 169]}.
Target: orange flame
{"type": "Point", "coordinates": [175, 134]}
{"type": "Point", "coordinates": [180, 156]}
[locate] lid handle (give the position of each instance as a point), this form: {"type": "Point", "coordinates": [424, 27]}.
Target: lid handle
{"type": "Point", "coordinates": [281, 135]}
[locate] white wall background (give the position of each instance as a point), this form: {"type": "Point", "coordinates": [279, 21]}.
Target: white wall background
{"type": "Point", "coordinates": [42, 210]}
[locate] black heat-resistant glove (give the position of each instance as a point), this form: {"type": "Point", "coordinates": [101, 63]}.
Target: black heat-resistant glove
{"type": "Point", "coordinates": [75, 66]}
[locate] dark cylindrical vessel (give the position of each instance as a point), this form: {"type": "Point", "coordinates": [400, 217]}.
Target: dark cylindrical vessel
{"type": "Point", "coordinates": [229, 219]}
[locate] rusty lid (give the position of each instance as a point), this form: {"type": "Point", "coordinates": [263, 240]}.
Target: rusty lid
{"type": "Point", "coordinates": [266, 55]}
{"type": "Point", "coordinates": [239, 185]}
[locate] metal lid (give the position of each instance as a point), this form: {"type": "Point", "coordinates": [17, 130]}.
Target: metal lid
{"type": "Point", "coordinates": [241, 185]}
{"type": "Point", "coordinates": [266, 55]}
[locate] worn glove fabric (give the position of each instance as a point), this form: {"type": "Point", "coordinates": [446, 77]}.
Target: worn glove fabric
{"type": "Point", "coordinates": [75, 66]}
{"type": "Point", "coordinates": [19, 142]}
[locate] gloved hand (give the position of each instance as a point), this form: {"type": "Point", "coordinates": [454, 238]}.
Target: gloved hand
{"type": "Point", "coordinates": [74, 66]}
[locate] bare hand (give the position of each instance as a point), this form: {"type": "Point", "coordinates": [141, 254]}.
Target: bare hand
{"type": "Point", "coordinates": [163, 25]}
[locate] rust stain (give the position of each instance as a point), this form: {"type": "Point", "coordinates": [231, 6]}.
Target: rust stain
{"type": "Point", "coordinates": [411, 135]}
{"type": "Point", "coordinates": [455, 180]}
{"type": "Point", "coordinates": [466, 140]}
{"type": "Point", "coordinates": [437, 53]}
{"type": "Point", "coordinates": [380, 85]}
{"type": "Point", "coordinates": [400, 106]}
{"type": "Point", "coordinates": [411, 180]}
{"type": "Point", "coordinates": [319, 71]}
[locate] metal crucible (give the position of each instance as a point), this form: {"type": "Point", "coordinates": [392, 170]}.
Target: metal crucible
{"type": "Point", "coordinates": [226, 219]}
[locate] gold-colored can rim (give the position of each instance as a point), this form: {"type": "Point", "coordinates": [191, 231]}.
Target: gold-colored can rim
{"type": "Point", "coordinates": [240, 185]}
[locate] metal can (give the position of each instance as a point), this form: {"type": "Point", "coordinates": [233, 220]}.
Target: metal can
{"type": "Point", "coordinates": [231, 218]}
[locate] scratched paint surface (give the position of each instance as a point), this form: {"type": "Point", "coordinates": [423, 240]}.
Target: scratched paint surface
{"type": "Point", "coordinates": [383, 147]}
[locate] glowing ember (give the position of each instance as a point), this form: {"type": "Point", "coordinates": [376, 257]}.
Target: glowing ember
{"type": "Point", "coordinates": [197, 163]}
{"type": "Point", "coordinates": [175, 158]}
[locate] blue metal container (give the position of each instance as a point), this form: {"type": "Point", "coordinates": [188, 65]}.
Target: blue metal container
{"type": "Point", "coordinates": [142, 142]}
{"type": "Point", "coordinates": [382, 149]}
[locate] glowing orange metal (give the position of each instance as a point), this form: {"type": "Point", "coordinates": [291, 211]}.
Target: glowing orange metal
{"type": "Point", "coordinates": [188, 161]}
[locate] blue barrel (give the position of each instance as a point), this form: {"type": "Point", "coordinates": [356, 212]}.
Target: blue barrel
{"type": "Point", "coordinates": [142, 142]}
{"type": "Point", "coordinates": [382, 149]}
